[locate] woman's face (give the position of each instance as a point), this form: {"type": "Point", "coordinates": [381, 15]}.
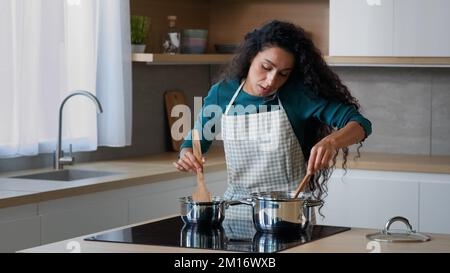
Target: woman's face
{"type": "Point", "coordinates": [268, 71]}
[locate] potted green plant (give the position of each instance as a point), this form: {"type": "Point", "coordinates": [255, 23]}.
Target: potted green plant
{"type": "Point", "coordinates": [140, 26]}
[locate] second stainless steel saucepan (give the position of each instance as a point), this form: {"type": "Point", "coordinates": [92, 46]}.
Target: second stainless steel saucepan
{"type": "Point", "coordinates": [279, 212]}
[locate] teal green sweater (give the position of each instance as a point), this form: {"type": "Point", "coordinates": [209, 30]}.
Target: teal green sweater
{"type": "Point", "coordinates": [298, 101]}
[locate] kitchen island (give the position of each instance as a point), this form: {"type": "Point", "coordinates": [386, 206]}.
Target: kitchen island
{"type": "Point", "coordinates": [351, 241]}
{"type": "Point", "coordinates": [44, 211]}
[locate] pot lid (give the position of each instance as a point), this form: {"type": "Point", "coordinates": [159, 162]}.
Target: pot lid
{"type": "Point", "coordinates": [398, 235]}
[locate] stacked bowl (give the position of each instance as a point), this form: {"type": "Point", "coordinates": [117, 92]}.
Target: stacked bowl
{"type": "Point", "coordinates": [193, 41]}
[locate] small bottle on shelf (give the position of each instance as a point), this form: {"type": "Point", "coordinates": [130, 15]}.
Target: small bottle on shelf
{"type": "Point", "coordinates": [172, 38]}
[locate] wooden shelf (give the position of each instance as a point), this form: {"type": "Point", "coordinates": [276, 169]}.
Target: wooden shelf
{"type": "Point", "coordinates": [181, 59]}
{"type": "Point", "coordinates": [178, 59]}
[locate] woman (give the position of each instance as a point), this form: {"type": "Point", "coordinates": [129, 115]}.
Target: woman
{"type": "Point", "coordinates": [279, 68]}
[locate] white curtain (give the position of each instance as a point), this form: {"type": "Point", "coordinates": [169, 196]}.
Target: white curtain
{"type": "Point", "coordinates": [50, 48]}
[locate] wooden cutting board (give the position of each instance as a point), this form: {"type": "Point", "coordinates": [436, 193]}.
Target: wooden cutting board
{"type": "Point", "coordinates": [173, 98]}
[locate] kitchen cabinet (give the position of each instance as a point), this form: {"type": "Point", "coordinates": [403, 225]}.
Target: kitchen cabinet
{"type": "Point", "coordinates": [363, 198]}
{"type": "Point", "coordinates": [20, 234]}
{"type": "Point", "coordinates": [74, 216]}
{"type": "Point", "coordinates": [421, 28]}
{"type": "Point", "coordinates": [397, 28]}
{"type": "Point", "coordinates": [368, 199]}
{"type": "Point", "coordinates": [434, 207]}
{"type": "Point", "coordinates": [361, 27]}
{"type": "Point", "coordinates": [19, 228]}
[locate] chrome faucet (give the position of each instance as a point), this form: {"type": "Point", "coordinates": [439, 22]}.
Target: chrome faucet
{"type": "Point", "coordinates": [60, 159]}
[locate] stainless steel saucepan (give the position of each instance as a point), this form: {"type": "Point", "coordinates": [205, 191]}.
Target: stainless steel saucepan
{"type": "Point", "coordinates": [280, 212]}
{"type": "Point", "coordinates": [204, 213]}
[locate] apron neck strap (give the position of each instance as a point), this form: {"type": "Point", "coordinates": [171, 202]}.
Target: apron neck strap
{"type": "Point", "coordinates": [234, 97]}
{"type": "Point", "coordinates": [237, 93]}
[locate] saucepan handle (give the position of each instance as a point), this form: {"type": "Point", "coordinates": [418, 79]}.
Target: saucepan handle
{"type": "Point", "coordinates": [229, 203]}
{"type": "Point", "coordinates": [313, 203]}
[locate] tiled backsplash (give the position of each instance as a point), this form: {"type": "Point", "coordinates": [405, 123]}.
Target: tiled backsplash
{"type": "Point", "coordinates": [409, 109]}
{"type": "Point", "coordinates": [440, 118]}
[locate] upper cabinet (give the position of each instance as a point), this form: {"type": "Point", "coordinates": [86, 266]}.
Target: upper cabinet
{"type": "Point", "coordinates": [400, 28]}
{"type": "Point", "coordinates": [361, 28]}
{"type": "Point", "coordinates": [422, 28]}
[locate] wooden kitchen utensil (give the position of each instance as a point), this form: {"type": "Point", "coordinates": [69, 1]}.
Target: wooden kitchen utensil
{"type": "Point", "coordinates": [173, 98]}
{"type": "Point", "coordinates": [302, 185]}
{"type": "Point", "coordinates": [201, 194]}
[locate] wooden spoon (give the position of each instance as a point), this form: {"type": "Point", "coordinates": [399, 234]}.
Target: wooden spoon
{"type": "Point", "coordinates": [302, 185]}
{"type": "Point", "coordinates": [201, 194]}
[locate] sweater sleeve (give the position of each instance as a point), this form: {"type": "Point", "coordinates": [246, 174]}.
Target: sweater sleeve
{"type": "Point", "coordinates": [207, 121]}
{"type": "Point", "coordinates": [337, 114]}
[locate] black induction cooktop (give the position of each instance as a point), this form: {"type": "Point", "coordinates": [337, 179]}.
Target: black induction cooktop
{"type": "Point", "coordinates": [233, 235]}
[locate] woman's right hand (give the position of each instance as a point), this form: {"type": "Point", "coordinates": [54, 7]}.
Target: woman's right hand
{"type": "Point", "coordinates": [188, 162]}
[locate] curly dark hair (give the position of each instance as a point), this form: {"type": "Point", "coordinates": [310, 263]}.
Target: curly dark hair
{"type": "Point", "coordinates": [311, 69]}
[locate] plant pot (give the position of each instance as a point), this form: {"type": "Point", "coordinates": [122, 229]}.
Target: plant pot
{"type": "Point", "coordinates": [137, 48]}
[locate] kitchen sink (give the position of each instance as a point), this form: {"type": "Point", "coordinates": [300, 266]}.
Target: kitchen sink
{"type": "Point", "coordinates": [65, 175]}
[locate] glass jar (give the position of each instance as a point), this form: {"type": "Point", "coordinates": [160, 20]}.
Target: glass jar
{"type": "Point", "coordinates": [172, 38]}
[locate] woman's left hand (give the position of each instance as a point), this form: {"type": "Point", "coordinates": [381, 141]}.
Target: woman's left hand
{"type": "Point", "coordinates": [321, 155]}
